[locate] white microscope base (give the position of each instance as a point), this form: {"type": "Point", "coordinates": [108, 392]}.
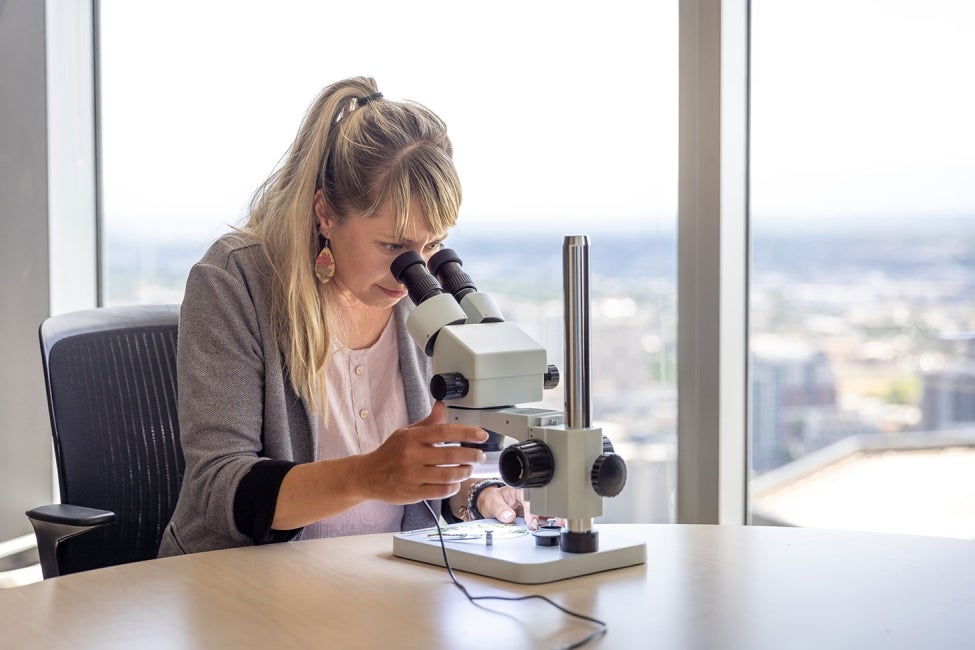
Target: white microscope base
{"type": "Point", "coordinates": [519, 559]}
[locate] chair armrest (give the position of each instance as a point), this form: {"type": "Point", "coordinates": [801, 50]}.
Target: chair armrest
{"type": "Point", "coordinates": [63, 513]}
{"type": "Point", "coordinates": [57, 522]}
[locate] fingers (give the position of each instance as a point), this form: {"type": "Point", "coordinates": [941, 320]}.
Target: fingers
{"type": "Point", "coordinates": [414, 463]}
{"type": "Point", "coordinates": [438, 415]}
{"type": "Point", "coordinates": [434, 429]}
{"type": "Point", "coordinates": [448, 455]}
{"type": "Point", "coordinates": [505, 503]}
{"type": "Point", "coordinates": [499, 503]}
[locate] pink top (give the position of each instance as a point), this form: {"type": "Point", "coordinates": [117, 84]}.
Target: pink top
{"type": "Point", "coordinates": [366, 404]}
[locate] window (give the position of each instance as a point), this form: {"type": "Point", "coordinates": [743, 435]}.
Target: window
{"type": "Point", "coordinates": [863, 241]}
{"type": "Point", "coordinates": [563, 118]}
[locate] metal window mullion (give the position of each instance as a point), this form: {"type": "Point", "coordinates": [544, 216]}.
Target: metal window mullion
{"type": "Point", "coordinates": [712, 262]}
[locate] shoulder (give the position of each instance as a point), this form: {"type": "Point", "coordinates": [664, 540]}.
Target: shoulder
{"type": "Point", "coordinates": [234, 273]}
{"type": "Point", "coordinates": [235, 249]}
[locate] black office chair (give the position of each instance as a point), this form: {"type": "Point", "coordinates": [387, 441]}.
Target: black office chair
{"type": "Point", "coordinates": [111, 391]}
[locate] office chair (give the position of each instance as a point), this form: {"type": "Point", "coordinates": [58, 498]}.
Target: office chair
{"type": "Point", "coordinates": [110, 375]}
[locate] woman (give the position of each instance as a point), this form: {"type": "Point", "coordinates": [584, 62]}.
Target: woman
{"type": "Point", "coordinates": [297, 378]}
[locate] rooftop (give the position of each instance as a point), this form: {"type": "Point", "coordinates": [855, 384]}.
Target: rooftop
{"type": "Point", "coordinates": [917, 483]}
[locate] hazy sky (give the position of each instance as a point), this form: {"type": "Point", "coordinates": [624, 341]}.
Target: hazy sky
{"type": "Point", "coordinates": [561, 112]}
{"type": "Point", "coordinates": [863, 107]}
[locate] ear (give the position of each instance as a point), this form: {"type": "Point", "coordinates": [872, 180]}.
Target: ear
{"type": "Point", "coordinates": [322, 213]}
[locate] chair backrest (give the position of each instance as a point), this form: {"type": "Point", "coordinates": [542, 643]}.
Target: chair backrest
{"type": "Point", "coordinates": [111, 391]}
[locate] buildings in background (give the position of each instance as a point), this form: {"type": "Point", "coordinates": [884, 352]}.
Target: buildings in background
{"type": "Point", "coordinates": [949, 385]}
{"type": "Point", "coordinates": [842, 346]}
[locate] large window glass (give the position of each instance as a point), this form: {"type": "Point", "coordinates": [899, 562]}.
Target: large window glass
{"type": "Point", "coordinates": [564, 121]}
{"type": "Point", "coordinates": [862, 306]}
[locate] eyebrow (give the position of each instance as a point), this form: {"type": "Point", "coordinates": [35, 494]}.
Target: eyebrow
{"type": "Point", "coordinates": [409, 242]}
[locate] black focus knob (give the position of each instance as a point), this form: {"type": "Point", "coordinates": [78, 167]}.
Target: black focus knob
{"type": "Point", "coordinates": [608, 475]}
{"type": "Point", "coordinates": [528, 464]}
{"type": "Point", "coordinates": [551, 378]}
{"type": "Point", "coordinates": [448, 385]}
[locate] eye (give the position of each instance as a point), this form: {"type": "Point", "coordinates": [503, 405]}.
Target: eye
{"type": "Point", "coordinates": [392, 248]}
{"type": "Point", "coordinates": [434, 246]}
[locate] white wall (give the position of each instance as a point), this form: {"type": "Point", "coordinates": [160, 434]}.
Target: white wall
{"type": "Point", "coordinates": [25, 447]}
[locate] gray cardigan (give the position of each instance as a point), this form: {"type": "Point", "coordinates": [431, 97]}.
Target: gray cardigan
{"type": "Point", "coordinates": [236, 404]}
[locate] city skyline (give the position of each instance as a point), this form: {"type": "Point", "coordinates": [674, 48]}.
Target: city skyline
{"type": "Point", "coordinates": [853, 336]}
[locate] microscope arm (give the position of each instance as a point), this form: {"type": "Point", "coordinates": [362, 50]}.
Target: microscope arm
{"type": "Point", "coordinates": [565, 472]}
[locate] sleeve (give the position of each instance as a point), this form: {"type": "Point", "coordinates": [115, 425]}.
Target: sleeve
{"type": "Point", "coordinates": [256, 499]}
{"type": "Point", "coordinates": [220, 368]}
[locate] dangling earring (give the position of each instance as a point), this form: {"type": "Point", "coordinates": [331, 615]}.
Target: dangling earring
{"type": "Point", "coordinates": [325, 264]}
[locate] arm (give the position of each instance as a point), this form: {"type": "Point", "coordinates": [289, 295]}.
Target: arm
{"type": "Point", "coordinates": [228, 419]}
{"type": "Point", "coordinates": [410, 466]}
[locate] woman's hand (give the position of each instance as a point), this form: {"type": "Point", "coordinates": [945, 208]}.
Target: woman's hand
{"type": "Point", "coordinates": [506, 503]}
{"type": "Point", "coordinates": [412, 465]}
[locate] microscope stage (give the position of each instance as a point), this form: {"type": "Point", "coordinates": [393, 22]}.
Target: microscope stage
{"type": "Point", "coordinates": [513, 554]}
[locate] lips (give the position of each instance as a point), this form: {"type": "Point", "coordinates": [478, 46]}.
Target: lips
{"type": "Point", "coordinates": [394, 293]}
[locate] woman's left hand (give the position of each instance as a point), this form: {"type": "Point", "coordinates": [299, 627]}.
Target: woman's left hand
{"type": "Point", "coordinates": [506, 503]}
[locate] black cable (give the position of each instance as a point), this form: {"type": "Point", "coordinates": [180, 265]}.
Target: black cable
{"type": "Point", "coordinates": [603, 627]}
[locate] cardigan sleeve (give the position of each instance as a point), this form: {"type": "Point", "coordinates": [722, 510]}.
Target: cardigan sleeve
{"type": "Point", "coordinates": [255, 501]}
{"type": "Point", "coordinates": [242, 426]}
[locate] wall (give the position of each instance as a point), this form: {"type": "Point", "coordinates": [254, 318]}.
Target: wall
{"type": "Point", "coordinates": [25, 447]}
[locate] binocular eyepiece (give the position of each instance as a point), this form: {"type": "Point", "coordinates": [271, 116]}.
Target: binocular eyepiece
{"type": "Point", "coordinates": [425, 280]}
{"type": "Point", "coordinates": [411, 270]}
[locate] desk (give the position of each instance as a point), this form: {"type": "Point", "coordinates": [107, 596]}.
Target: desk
{"type": "Point", "coordinates": [702, 587]}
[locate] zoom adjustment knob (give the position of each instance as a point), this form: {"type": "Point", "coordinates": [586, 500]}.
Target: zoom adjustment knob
{"type": "Point", "coordinates": [527, 464]}
{"type": "Point", "coordinates": [608, 475]}
{"type": "Point", "coordinates": [449, 385]}
{"type": "Point", "coordinates": [551, 378]}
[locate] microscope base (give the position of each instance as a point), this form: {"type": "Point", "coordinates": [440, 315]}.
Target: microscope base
{"type": "Point", "coordinates": [519, 559]}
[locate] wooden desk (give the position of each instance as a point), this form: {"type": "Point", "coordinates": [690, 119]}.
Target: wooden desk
{"type": "Point", "coordinates": [702, 587]}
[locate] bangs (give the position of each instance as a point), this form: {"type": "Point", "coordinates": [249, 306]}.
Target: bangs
{"type": "Point", "coordinates": [424, 179]}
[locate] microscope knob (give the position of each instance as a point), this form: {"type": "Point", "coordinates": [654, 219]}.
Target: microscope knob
{"type": "Point", "coordinates": [551, 378]}
{"type": "Point", "coordinates": [448, 385]}
{"type": "Point", "coordinates": [527, 464]}
{"type": "Point", "coordinates": [608, 475]}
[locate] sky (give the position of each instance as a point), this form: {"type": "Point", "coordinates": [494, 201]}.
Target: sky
{"type": "Point", "coordinates": [562, 114]}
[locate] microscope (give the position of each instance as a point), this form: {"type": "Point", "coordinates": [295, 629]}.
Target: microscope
{"type": "Point", "coordinates": [484, 368]}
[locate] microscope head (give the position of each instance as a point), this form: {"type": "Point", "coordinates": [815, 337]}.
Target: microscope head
{"type": "Point", "coordinates": [479, 359]}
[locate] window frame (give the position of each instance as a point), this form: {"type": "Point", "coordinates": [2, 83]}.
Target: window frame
{"type": "Point", "coordinates": [712, 245]}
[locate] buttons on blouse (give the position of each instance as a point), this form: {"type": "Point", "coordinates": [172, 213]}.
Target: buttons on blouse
{"type": "Point", "coordinates": [359, 370]}
{"type": "Point", "coordinates": [364, 413]}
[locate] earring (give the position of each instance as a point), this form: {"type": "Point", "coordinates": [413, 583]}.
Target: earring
{"type": "Point", "coordinates": [325, 264]}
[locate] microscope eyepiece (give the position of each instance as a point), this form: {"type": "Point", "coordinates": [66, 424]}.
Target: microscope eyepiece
{"type": "Point", "coordinates": [410, 269]}
{"type": "Point", "coordinates": [446, 266]}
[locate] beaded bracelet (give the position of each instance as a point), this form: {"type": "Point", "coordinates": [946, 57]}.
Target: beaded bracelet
{"type": "Point", "coordinates": [471, 512]}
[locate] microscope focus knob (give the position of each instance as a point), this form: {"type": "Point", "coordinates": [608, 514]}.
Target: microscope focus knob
{"type": "Point", "coordinates": [527, 464]}
{"type": "Point", "coordinates": [551, 378]}
{"type": "Point", "coordinates": [448, 385]}
{"type": "Point", "coordinates": [608, 475]}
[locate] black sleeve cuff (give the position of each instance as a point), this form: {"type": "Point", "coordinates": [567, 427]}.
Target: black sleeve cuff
{"type": "Point", "coordinates": [447, 513]}
{"type": "Point", "coordinates": [256, 499]}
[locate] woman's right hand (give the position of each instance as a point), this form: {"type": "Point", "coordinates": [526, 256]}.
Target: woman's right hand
{"type": "Point", "coordinates": [412, 464]}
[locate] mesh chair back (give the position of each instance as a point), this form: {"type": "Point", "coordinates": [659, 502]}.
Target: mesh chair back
{"type": "Point", "coordinates": [111, 388]}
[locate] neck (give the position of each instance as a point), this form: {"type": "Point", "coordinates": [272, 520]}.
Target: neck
{"type": "Point", "coordinates": [359, 326]}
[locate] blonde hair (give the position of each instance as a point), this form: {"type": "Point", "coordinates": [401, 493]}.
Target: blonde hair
{"type": "Point", "coordinates": [363, 152]}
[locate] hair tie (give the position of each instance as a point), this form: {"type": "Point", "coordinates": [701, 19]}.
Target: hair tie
{"type": "Point", "coordinates": [365, 100]}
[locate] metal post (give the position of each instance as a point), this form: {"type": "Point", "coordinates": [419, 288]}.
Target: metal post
{"type": "Point", "coordinates": [575, 283]}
